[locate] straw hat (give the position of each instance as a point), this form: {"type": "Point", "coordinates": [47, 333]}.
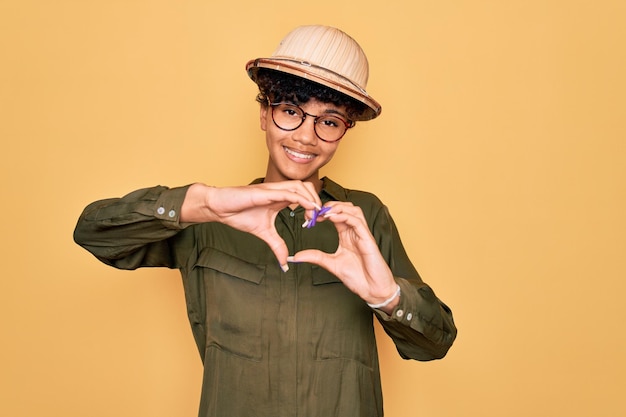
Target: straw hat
{"type": "Point", "coordinates": [326, 56]}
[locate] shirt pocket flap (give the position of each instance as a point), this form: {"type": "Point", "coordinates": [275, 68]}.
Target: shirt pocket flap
{"type": "Point", "coordinates": [320, 276]}
{"type": "Point", "coordinates": [231, 265]}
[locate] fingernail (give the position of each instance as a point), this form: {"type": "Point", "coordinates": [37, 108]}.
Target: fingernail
{"type": "Point", "coordinates": [305, 224]}
{"type": "Point", "coordinates": [290, 259]}
{"type": "Point", "coordinates": [285, 267]}
{"type": "Point", "coordinates": [316, 206]}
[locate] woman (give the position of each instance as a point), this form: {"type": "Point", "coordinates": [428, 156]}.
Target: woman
{"type": "Point", "coordinates": [283, 277]}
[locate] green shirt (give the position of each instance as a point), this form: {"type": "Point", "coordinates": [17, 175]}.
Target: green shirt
{"type": "Point", "coordinates": [274, 344]}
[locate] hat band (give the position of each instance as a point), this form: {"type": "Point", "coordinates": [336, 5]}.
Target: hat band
{"type": "Point", "coordinates": [318, 67]}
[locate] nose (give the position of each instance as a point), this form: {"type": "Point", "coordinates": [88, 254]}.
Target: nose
{"type": "Point", "coordinates": [305, 134]}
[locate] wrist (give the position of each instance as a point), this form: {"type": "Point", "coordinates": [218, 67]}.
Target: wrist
{"type": "Point", "coordinates": [393, 299]}
{"type": "Point", "coordinates": [195, 208]}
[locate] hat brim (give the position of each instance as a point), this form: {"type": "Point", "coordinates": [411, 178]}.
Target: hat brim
{"type": "Point", "coordinates": [320, 76]}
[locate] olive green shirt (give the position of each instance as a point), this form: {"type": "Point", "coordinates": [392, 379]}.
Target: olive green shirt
{"type": "Point", "coordinates": [274, 344]}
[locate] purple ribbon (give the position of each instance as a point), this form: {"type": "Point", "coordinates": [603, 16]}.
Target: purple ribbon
{"type": "Point", "coordinates": [316, 214]}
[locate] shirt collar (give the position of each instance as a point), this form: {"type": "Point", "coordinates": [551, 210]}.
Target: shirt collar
{"type": "Point", "coordinates": [333, 190]}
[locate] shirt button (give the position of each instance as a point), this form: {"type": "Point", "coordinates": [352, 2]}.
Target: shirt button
{"type": "Point", "coordinates": [172, 213]}
{"type": "Point", "coordinates": [400, 313]}
{"type": "Point", "coordinates": [409, 316]}
{"type": "Point", "coordinates": [292, 214]}
{"type": "Point", "coordinates": [161, 210]}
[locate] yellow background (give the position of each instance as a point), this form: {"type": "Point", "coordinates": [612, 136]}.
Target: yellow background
{"type": "Point", "coordinates": [500, 152]}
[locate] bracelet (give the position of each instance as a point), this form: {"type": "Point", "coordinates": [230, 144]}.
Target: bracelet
{"type": "Point", "coordinates": [387, 301]}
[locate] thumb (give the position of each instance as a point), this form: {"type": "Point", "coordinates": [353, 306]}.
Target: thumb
{"type": "Point", "coordinates": [278, 246]}
{"type": "Point", "coordinates": [313, 256]}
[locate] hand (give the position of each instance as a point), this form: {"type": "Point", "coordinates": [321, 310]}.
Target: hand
{"type": "Point", "coordinates": [251, 208]}
{"type": "Point", "coordinates": [357, 262]}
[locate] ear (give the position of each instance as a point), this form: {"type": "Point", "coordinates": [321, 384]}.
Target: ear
{"type": "Point", "coordinates": [263, 116]}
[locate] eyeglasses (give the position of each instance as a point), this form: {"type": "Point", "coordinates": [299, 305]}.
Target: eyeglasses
{"type": "Point", "coordinates": [328, 127]}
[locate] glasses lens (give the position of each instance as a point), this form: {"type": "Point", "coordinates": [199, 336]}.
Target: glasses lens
{"type": "Point", "coordinates": [287, 116]}
{"type": "Point", "coordinates": [330, 128]}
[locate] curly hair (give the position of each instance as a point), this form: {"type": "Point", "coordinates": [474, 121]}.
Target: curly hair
{"type": "Point", "coordinates": [276, 86]}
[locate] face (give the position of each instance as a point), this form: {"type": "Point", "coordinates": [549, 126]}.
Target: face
{"type": "Point", "coordinates": [298, 154]}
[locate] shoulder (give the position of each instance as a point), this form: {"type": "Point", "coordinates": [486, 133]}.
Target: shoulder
{"type": "Point", "coordinates": [368, 201]}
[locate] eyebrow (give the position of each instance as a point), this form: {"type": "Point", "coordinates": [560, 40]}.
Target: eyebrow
{"type": "Point", "coordinates": [326, 111]}
{"type": "Point", "coordinates": [333, 111]}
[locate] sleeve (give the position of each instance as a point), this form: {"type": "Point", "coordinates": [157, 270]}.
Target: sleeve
{"type": "Point", "coordinates": [135, 230]}
{"type": "Point", "coordinates": [421, 325]}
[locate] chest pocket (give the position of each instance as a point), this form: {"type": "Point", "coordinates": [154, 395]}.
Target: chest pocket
{"type": "Point", "coordinates": [235, 297]}
{"type": "Point", "coordinates": [342, 327]}
{"type": "Point", "coordinates": [320, 276]}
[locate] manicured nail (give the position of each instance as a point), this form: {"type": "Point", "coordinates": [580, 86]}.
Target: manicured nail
{"type": "Point", "coordinates": [305, 224]}
{"type": "Point", "coordinates": [290, 259]}
{"type": "Point", "coordinates": [285, 267]}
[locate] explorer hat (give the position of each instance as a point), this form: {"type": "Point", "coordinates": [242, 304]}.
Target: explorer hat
{"type": "Point", "coordinates": [325, 55]}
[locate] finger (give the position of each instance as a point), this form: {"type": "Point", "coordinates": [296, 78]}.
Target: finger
{"type": "Point", "coordinates": [313, 256]}
{"type": "Point", "coordinates": [340, 212]}
{"type": "Point", "coordinates": [313, 193]}
{"type": "Point", "coordinates": [287, 197]}
{"type": "Point", "coordinates": [347, 219]}
{"type": "Point", "coordinates": [353, 230]}
{"type": "Point", "coordinates": [303, 189]}
{"type": "Point", "coordinates": [278, 246]}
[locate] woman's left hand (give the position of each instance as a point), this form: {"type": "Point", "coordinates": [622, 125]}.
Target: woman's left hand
{"type": "Point", "coordinates": [357, 262]}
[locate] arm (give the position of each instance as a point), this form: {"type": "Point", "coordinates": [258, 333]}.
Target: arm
{"type": "Point", "coordinates": [373, 264]}
{"type": "Point", "coordinates": [135, 230]}
{"type": "Point", "coordinates": [421, 325]}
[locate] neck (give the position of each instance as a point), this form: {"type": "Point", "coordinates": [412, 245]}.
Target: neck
{"type": "Point", "coordinates": [271, 176]}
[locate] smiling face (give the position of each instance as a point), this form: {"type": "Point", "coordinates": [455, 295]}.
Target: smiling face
{"type": "Point", "coordinates": [298, 154]}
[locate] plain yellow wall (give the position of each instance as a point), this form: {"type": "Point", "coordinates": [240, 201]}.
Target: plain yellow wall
{"type": "Point", "coordinates": [500, 152]}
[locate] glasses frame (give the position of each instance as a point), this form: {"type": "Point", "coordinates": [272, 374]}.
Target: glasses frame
{"type": "Point", "coordinates": [348, 124]}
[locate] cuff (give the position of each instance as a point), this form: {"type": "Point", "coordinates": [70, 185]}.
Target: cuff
{"type": "Point", "coordinates": [406, 312]}
{"type": "Point", "coordinates": [167, 207]}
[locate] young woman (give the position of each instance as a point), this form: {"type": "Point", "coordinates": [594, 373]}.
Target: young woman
{"type": "Point", "coordinates": [284, 276]}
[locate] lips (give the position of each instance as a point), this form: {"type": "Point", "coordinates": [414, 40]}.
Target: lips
{"type": "Point", "coordinates": [298, 154]}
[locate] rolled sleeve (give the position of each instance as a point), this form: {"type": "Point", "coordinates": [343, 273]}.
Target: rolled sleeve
{"type": "Point", "coordinates": [167, 207]}
{"type": "Point", "coordinates": [420, 324]}
{"type": "Point", "coordinates": [133, 231]}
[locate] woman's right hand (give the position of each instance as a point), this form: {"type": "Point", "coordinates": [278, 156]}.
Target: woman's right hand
{"type": "Point", "coordinates": [252, 208]}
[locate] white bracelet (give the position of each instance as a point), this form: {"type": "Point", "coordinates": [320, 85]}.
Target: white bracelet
{"type": "Point", "coordinates": [387, 301]}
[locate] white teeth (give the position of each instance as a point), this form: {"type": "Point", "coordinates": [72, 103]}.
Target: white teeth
{"type": "Point", "coordinates": [298, 154]}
